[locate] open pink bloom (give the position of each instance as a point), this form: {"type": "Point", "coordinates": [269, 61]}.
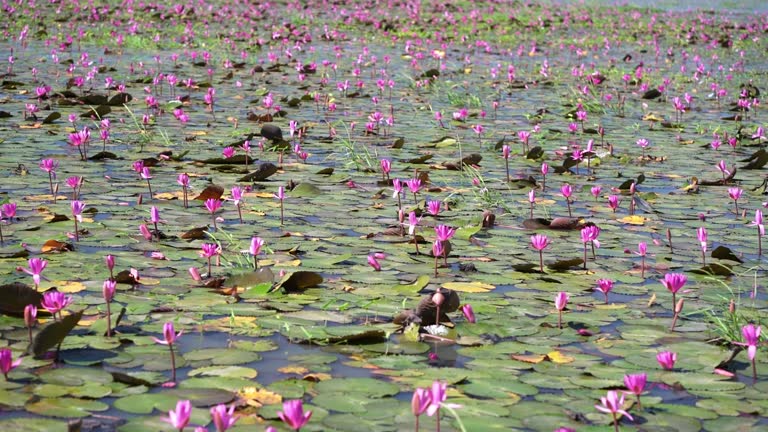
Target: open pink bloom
{"type": "Point", "coordinates": [469, 314]}
{"type": "Point", "coordinates": [373, 262]}
{"type": "Point", "coordinates": [293, 414]}
{"type": "Point", "coordinates": [54, 301]}
{"type": "Point", "coordinates": [540, 241]}
{"type": "Point", "coordinates": [6, 362]}
{"type": "Point", "coordinates": [77, 209]}
{"type": "Point", "coordinates": [735, 193]}
{"type": "Point", "coordinates": [613, 404]}
{"type": "Point", "coordinates": [414, 185]}
{"type": "Point", "coordinates": [256, 245]}
{"type": "Point", "coordinates": [758, 222]}
{"type": "Point", "coordinates": [561, 300]}
{"type": "Point", "coordinates": [9, 210]}
{"type": "Point", "coordinates": [604, 286]}
{"type": "Point", "coordinates": [532, 196]}
{"type": "Point", "coordinates": [222, 417]}
{"type": "Point", "coordinates": [209, 250]}
{"type": "Point", "coordinates": [444, 232]}
{"type": "Point", "coordinates": [145, 174]}
{"type": "Point", "coordinates": [179, 418]}
{"type": "Point", "coordinates": [35, 267]}
{"type": "Point", "coordinates": [636, 383]}
{"type": "Point", "coordinates": [505, 151]}
{"type": "Point", "coordinates": [212, 205]}
{"type": "Point", "coordinates": [590, 234]}
{"type": "Point", "coordinates": [183, 180]}
{"type": "Point", "coordinates": [397, 186]}
{"type": "Point", "coordinates": [595, 191]}
{"type": "Point", "coordinates": [420, 401]}
{"type": "Point", "coordinates": [228, 152]}
{"type": "Point", "coordinates": [666, 359]}
{"type": "Point", "coordinates": [751, 334]}
{"type": "Point", "coordinates": [237, 195]}
{"type": "Point", "coordinates": [169, 335]}
{"type": "Point", "coordinates": [674, 281]}
{"type": "Point", "coordinates": [413, 221]}
{"type": "Point", "coordinates": [544, 168]}
{"type": "Point", "coordinates": [49, 166]}
{"type": "Point", "coordinates": [433, 207]}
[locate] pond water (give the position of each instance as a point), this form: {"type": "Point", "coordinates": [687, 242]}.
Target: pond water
{"type": "Point", "coordinates": [666, 94]}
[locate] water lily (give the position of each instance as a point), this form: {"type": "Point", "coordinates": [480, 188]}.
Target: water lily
{"type": "Point", "coordinates": [540, 242]}
{"type": "Point", "coordinates": [213, 205]}
{"type": "Point", "coordinates": [751, 334]}
{"type": "Point", "coordinates": [222, 417]}
{"type": "Point", "coordinates": [183, 181]}
{"type": "Point", "coordinates": [469, 314]}
{"type": "Point", "coordinates": [735, 194]}
{"type": "Point", "coordinates": [604, 286]}
{"type": "Point", "coordinates": [373, 262]}
{"type": "Point", "coordinates": [567, 190]}
{"type": "Point", "coordinates": [561, 301]}
{"type": "Point", "coordinates": [589, 235]}
{"type": "Point", "coordinates": [280, 196]}
{"type": "Point", "coordinates": [108, 292]}
{"type": "Point", "coordinates": [169, 338]}
{"type": "Point", "coordinates": [179, 417]}
{"type": "Point", "coordinates": [208, 251]}
{"type": "Point", "coordinates": [758, 222]}
{"type": "Point", "coordinates": [673, 282]}
{"type": "Point", "coordinates": [613, 404]}
{"type": "Point", "coordinates": [35, 267]}
{"type": "Point", "coordinates": [77, 212]}
{"type": "Point", "coordinates": [55, 301]}
{"type": "Point", "coordinates": [666, 359]}
{"type": "Point", "coordinates": [30, 318]}
{"type": "Point", "coordinates": [7, 364]}
{"type": "Point", "coordinates": [256, 244]}
{"type": "Point", "coordinates": [635, 384]}
{"type": "Point", "coordinates": [421, 400]}
{"type": "Point", "coordinates": [146, 175]}
{"type": "Point", "coordinates": [293, 414]}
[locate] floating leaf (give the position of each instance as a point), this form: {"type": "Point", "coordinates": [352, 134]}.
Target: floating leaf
{"type": "Point", "coordinates": [299, 280]}
{"type": "Point", "coordinates": [469, 287]}
{"type": "Point", "coordinates": [54, 333]}
{"type": "Point", "coordinates": [210, 192]}
{"type": "Point", "coordinates": [633, 220]}
{"type": "Point", "coordinates": [16, 296]}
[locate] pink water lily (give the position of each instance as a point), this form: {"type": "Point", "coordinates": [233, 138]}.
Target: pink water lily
{"type": "Point", "coordinates": [179, 417]}
{"type": "Point", "coordinates": [751, 335]}
{"type": "Point", "coordinates": [256, 244]}
{"type": "Point", "coordinates": [55, 301]}
{"type": "Point", "coordinates": [169, 338]}
{"type": "Point", "coordinates": [673, 282]}
{"type": "Point", "coordinates": [469, 314]}
{"type": "Point", "coordinates": [421, 400]}
{"type": "Point", "coordinates": [604, 286]}
{"type": "Point", "coordinates": [223, 417]}
{"type": "Point", "coordinates": [666, 359]}
{"type": "Point", "coordinates": [35, 267]}
{"type": "Point", "coordinates": [7, 364]}
{"type": "Point", "coordinates": [293, 414]}
{"type": "Point", "coordinates": [540, 242]}
{"type": "Point", "coordinates": [613, 404]}
{"type": "Point", "coordinates": [561, 301]}
{"type": "Point", "coordinates": [636, 385]}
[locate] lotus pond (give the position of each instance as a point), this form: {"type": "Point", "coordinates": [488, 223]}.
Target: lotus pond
{"type": "Point", "coordinates": [403, 215]}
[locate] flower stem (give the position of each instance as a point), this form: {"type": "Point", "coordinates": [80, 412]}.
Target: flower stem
{"type": "Point", "coordinates": [109, 320]}
{"type": "Point", "coordinates": [541, 261]}
{"type": "Point", "coordinates": [173, 363]}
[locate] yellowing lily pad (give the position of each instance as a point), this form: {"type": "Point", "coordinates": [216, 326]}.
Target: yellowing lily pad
{"type": "Point", "coordinates": [633, 220]}
{"type": "Point", "coordinates": [469, 287]}
{"type": "Point", "coordinates": [559, 358]}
